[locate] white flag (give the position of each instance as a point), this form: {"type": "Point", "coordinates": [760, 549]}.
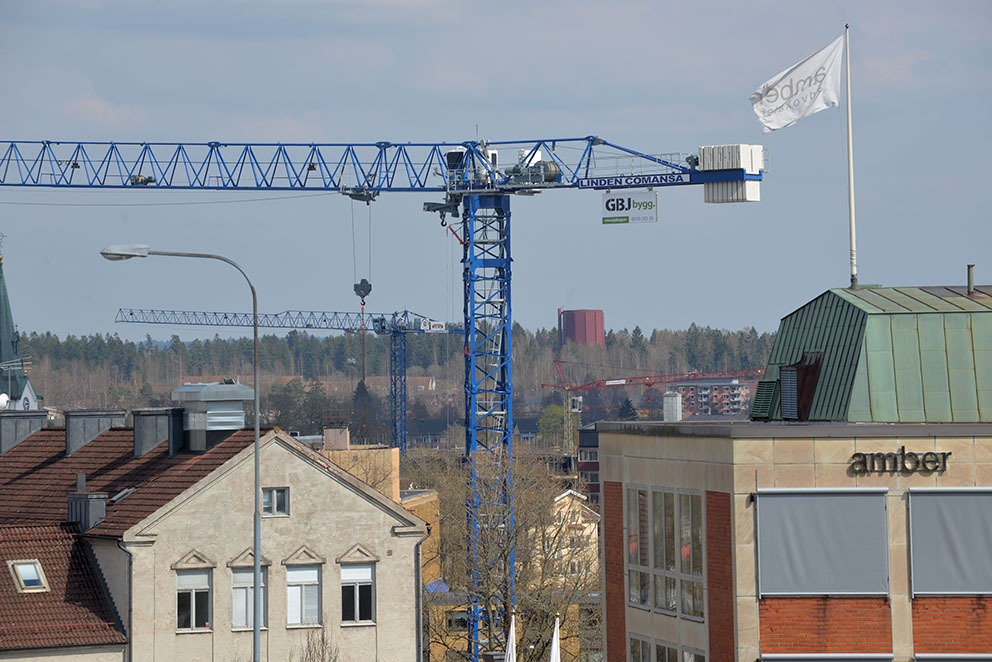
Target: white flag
{"type": "Point", "coordinates": [801, 90]}
{"type": "Point", "coordinates": [511, 641]}
{"type": "Point", "coordinates": [555, 644]}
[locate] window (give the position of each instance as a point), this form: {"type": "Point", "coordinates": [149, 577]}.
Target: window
{"type": "Point", "coordinates": [946, 528]}
{"type": "Point", "coordinates": [666, 653]}
{"type": "Point", "coordinates": [691, 554]}
{"type": "Point", "coordinates": [640, 650]}
{"type": "Point", "coordinates": [588, 455]}
{"type": "Point", "coordinates": [823, 542]}
{"type": "Point", "coordinates": [193, 601]}
{"type": "Point", "coordinates": [665, 592]}
{"type": "Point", "coordinates": [578, 568]}
{"type": "Point", "coordinates": [243, 597]}
{"type": "Point", "coordinates": [28, 576]}
{"type": "Point", "coordinates": [589, 476]}
{"type": "Point", "coordinates": [357, 593]}
{"type": "Point", "coordinates": [692, 656]}
{"type": "Point", "coordinates": [303, 595]}
{"type": "Point", "coordinates": [275, 501]}
{"type": "Point", "coordinates": [456, 620]}
{"type": "Point", "coordinates": [638, 577]}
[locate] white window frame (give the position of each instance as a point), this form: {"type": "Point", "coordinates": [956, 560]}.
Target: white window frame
{"type": "Point", "coordinates": [23, 585]}
{"type": "Point", "coordinates": [349, 579]}
{"type": "Point", "coordinates": [300, 600]}
{"type": "Point", "coordinates": [193, 589]}
{"type": "Point", "coordinates": [271, 494]}
{"type": "Point", "coordinates": [242, 590]}
{"type": "Point", "coordinates": [588, 455]}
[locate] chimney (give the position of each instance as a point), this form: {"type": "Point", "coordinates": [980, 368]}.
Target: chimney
{"type": "Point", "coordinates": [971, 279]}
{"type": "Point", "coordinates": [16, 426]}
{"type": "Point", "coordinates": [671, 406]}
{"type": "Point", "coordinates": [85, 508]}
{"type": "Point", "coordinates": [83, 426]}
{"type": "Point", "coordinates": [212, 412]}
{"type": "Point", "coordinates": [154, 425]}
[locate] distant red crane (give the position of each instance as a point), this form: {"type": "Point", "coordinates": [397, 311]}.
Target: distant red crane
{"type": "Point", "coordinates": [651, 380]}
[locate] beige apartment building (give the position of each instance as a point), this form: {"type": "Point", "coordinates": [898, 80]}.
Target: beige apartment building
{"type": "Point", "coordinates": [167, 515]}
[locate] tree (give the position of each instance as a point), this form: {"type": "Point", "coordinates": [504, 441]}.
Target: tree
{"type": "Point", "coordinates": [554, 544]}
{"type": "Point", "coordinates": [627, 411]}
{"type": "Point", "coordinates": [549, 426]}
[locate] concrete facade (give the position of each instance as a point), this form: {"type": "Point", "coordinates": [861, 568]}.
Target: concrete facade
{"type": "Point", "coordinates": [728, 464]}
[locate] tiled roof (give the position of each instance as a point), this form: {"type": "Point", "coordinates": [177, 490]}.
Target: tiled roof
{"type": "Point", "coordinates": [36, 476]}
{"type": "Point", "coordinates": [73, 612]}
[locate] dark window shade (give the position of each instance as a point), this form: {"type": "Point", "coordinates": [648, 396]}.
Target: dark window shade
{"type": "Point", "coordinates": [202, 610]}
{"type": "Point", "coordinates": [184, 610]}
{"type": "Point", "coordinates": [822, 543]}
{"type": "Point", "coordinates": [950, 541]}
{"type": "Point", "coordinates": [365, 602]}
{"type": "Point", "coordinates": [348, 602]}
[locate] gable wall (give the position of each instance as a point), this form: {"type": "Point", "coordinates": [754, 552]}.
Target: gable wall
{"type": "Point", "coordinates": [326, 516]}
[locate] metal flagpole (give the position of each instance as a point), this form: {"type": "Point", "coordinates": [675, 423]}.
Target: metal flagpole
{"type": "Point", "coordinates": [850, 160]}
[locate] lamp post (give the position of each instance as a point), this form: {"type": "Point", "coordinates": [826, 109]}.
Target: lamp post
{"type": "Point", "coordinates": [125, 252]}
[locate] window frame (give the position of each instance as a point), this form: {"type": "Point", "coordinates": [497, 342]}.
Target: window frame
{"type": "Point", "coordinates": [272, 492]}
{"type": "Point", "coordinates": [248, 589]}
{"type": "Point", "coordinates": [691, 579]}
{"type": "Point", "coordinates": [19, 582]}
{"type": "Point", "coordinates": [914, 573]}
{"type": "Point", "coordinates": [452, 617]}
{"type": "Point", "coordinates": [193, 591]}
{"type": "Point", "coordinates": [763, 590]}
{"type": "Point", "coordinates": [303, 623]}
{"type": "Point", "coordinates": [356, 597]}
{"type": "Point", "coordinates": [662, 573]}
{"type": "Point", "coordinates": [590, 455]}
{"type": "Point", "coordinates": [633, 533]}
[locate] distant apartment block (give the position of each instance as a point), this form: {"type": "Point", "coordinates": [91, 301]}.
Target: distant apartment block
{"type": "Point", "coordinates": [724, 397]}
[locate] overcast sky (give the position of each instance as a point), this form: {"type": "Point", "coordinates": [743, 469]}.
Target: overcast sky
{"type": "Point", "coordinates": [654, 76]}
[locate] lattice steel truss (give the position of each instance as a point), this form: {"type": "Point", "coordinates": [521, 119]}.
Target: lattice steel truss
{"type": "Point", "coordinates": [489, 405]}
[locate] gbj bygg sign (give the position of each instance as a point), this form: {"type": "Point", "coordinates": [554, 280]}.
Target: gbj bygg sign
{"type": "Point", "coordinates": [632, 207]}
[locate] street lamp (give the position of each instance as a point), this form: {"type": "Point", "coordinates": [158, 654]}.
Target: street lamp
{"type": "Point", "coordinates": [126, 252]}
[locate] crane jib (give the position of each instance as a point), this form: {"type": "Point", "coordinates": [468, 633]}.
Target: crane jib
{"type": "Point", "coordinates": [636, 181]}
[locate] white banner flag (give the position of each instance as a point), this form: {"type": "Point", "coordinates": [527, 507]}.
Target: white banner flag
{"type": "Point", "coordinates": [801, 90]}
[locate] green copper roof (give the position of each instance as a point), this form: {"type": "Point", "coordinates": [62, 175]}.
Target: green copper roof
{"type": "Point", "coordinates": [12, 380]}
{"type": "Point", "coordinates": [890, 354]}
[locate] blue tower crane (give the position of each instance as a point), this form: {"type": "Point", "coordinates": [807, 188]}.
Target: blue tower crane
{"type": "Point", "coordinates": [398, 325]}
{"type": "Point", "coordinates": [476, 185]}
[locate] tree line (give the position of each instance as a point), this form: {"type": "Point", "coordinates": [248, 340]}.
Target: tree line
{"type": "Point", "coordinates": [104, 370]}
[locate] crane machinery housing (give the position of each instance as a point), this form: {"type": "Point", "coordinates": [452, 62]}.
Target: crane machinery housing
{"type": "Point", "coordinates": [476, 184]}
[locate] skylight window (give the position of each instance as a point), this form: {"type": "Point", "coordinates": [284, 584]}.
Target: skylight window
{"type": "Point", "coordinates": [28, 576]}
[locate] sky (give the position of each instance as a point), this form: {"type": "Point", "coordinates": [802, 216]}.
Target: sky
{"type": "Point", "coordinates": [657, 77]}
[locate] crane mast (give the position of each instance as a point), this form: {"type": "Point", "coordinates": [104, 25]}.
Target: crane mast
{"type": "Point", "coordinates": [476, 187]}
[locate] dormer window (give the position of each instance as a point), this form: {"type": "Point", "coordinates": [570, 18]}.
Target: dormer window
{"type": "Point", "coordinates": [28, 576]}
